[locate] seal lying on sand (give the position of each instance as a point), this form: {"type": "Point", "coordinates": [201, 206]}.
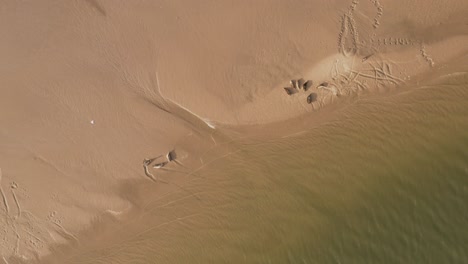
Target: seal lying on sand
{"type": "Point", "coordinates": [290, 90]}
{"type": "Point", "coordinates": [171, 155]}
{"type": "Point", "coordinates": [160, 165]}
{"type": "Point", "coordinates": [311, 98]}
{"type": "Point", "coordinates": [307, 85]}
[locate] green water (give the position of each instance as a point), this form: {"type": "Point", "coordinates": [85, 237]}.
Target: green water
{"type": "Point", "coordinates": [384, 181]}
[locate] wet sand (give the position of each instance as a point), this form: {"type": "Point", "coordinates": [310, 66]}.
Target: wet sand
{"type": "Point", "coordinates": [92, 88]}
{"type": "Point", "coordinates": [348, 189]}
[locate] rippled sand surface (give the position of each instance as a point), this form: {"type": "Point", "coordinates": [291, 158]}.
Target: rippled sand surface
{"type": "Point", "coordinates": [382, 181]}
{"type": "Point", "coordinates": [96, 93]}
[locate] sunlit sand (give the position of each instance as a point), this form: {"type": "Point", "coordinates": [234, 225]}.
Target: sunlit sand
{"type": "Point", "coordinates": [103, 102]}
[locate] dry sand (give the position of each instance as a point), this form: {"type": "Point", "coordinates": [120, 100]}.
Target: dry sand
{"type": "Point", "coordinates": [91, 88]}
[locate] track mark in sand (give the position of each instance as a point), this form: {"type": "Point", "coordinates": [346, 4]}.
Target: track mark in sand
{"type": "Point", "coordinates": [5, 201]}
{"type": "Point", "coordinates": [18, 239]}
{"type": "Point", "coordinates": [53, 218]}
{"type": "Point", "coordinates": [192, 194]}
{"type": "Point", "coordinates": [176, 220]}
{"type": "Point", "coordinates": [13, 186]}
{"type": "Point", "coordinates": [212, 138]}
{"type": "Point", "coordinates": [204, 120]}
{"type": "Point", "coordinates": [147, 173]}
{"type": "Point", "coordinates": [48, 163]}
{"type": "Point", "coordinates": [22, 233]}
{"type": "Point", "coordinates": [426, 56]}
{"type": "Point", "coordinates": [375, 77]}
{"type": "Point", "coordinates": [35, 241]}
{"type": "Point", "coordinates": [156, 98]}
{"type": "Point", "coordinates": [17, 246]}
{"type": "Point", "coordinates": [334, 72]}
{"type": "Point", "coordinates": [146, 163]}
{"type": "Point", "coordinates": [353, 80]}
{"type": "Point", "coordinates": [402, 41]}
{"type": "Point", "coordinates": [395, 41]}
{"type": "Point", "coordinates": [352, 7]}
{"type": "Point", "coordinates": [295, 134]}
{"type": "Point", "coordinates": [348, 26]}
{"type": "Point", "coordinates": [64, 232]}
{"type": "Point", "coordinates": [379, 8]}
{"type": "Point", "coordinates": [349, 29]}
{"type": "Point", "coordinates": [367, 57]}
{"type": "Point", "coordinates": [211, 161]}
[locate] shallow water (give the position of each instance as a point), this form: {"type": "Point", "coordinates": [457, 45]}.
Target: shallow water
{"type": "Point", "coordinates": [384, 181]}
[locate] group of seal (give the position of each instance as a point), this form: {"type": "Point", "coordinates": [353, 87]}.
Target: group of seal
{"type": "Point", "coordinates": [301, 84]}
{"type": "Point", "coordinates": [297, 85]}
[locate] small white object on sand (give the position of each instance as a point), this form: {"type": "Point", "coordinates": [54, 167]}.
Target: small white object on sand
{"type": "Point", "coordinates": [92, 122]}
